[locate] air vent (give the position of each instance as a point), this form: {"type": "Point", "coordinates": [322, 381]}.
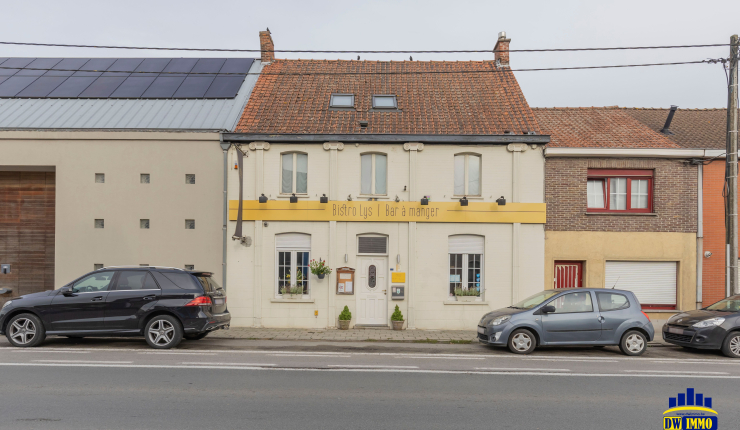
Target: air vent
{"type": "Point", "coordinates": [372, 245]}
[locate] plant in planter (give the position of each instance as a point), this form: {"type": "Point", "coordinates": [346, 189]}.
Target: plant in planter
{"type": "Point", "coordinates": [397, 319]}
{"type": "Point", "coordinates": [292, 292]}
{"type": "Point", "coordinates": [319, 268]}
{"type": "Point", "coordinates": [344, 317]}
{"type": "Point", "coordinates": [468, 295]}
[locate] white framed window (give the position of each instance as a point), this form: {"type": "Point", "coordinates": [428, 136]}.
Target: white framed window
{"type": "Point", "coordinates": [467, 175]}
{"type": "Point", "coordinates": [374, 174]}
{"type": "Point", "coordinates": [385, 101]}
{"type": "Point", "coordinates": [294, 173]}
{"type": "Point", "coordinates": [292, 257]}
{"type": "Point", "coordinates": [466, 263]}
{"type": "Point", "coordinates": [342, 100]}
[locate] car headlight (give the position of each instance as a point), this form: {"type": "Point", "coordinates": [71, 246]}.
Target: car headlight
{"type": "Point", "coordinates": [500, 320]}
{"type": "Point", "coordinates": [7, 304]}
{"type": "Point", "coordinates": [711, 322]}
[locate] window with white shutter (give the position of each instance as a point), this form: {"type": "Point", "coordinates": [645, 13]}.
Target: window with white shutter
{"type": "Point", "coordinates": [466, 263]}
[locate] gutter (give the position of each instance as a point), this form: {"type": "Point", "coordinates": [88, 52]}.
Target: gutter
{"type": "Point", "coordinates": [385, 138]}
{"type": "Point", "coordinates": [225, 147]}
{"type": "Point", "coordinates": [630, 152]}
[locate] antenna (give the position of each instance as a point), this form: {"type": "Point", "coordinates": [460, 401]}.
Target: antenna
{"type": "Point", "coordinates": [615, 283]}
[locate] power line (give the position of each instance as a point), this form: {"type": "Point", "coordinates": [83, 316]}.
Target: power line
{"type": "Point", "coordinates": [316, 51]}
{"type": "Point", "coordinates": [413, 72]}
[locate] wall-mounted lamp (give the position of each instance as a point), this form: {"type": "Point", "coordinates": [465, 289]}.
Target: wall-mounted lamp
{"type": "Point", "coordinates": [707, 254]}
{"type": "Point", "coordinates": [345, 258]}
{"type": "Point", "coordinates": [349, 198]}
{"type": "Point", "coordinates": [293, 198]}
{"type": "Point", "coordinates": [324, 199]}
{"type": "Point", "coordinates": [424, 201]}
{"type": "Point", "coordinates": [263, 199]}
{"type": "Point", "coordinates": [501, 201]}
{"type": "Point", "coordinates": [464, 201]}
{"type": "Point", "coordinates": [397, 199]}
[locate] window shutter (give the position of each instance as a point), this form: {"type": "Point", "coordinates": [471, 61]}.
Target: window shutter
{"type": "Point", "coordinates": [372, 245]}
{"type": "Point", "coordinates": [293, 241]}
{"type": "Point", "coordinates": [466, 244]}
{"type": "Point", "coordinates": [653, 282]}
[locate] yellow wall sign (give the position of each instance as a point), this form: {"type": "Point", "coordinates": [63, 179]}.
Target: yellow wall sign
{"type": "Point", "coordinates": [398, 277]}
{"type": "Point", "coordinates": [479, 212]}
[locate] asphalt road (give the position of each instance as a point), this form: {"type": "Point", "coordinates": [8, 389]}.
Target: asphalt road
{"type": "Point", "coordinates": [229, 384]}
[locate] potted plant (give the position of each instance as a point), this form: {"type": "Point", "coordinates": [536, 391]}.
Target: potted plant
{"type": "Point", "coordinates": [397, 319]}
{"type": "Point", "coordinates": [468, 295]}
{"type": "Point", "coordinates": [319, 268]}
{"type": "Point", "coordinates": [344, 319]}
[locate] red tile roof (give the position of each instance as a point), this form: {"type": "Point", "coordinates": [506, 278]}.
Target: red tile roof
{"type": "Point", "coordinates": [597, 127]}
{"type": "Point", "coordinates": [691, 128]}
{"type": "Point", "coordinates": [432, 99]}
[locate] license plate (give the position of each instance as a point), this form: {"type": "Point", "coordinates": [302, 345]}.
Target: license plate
{"type": "Point", "coordinates": [675, 330]}
{"type": "Point", "coordinates": [218, 302]}
{"type": "Point", "coordinates": [481, 330]}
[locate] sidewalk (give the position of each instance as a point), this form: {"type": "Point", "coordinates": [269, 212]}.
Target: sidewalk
{"type": "Point", "coordinates": [362, 335]}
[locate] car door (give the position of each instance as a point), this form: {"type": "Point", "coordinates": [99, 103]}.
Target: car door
{"type": "Point", "coordinates": [614, 309]}
{"type": "Point", "coordinates": [134, 293]}
{"type": "Point", "coordinates": [84, 308]}
{"type": "Point", "coordinates": [574, 319]}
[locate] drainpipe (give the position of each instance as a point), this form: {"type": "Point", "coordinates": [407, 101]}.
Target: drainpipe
{"type": "Point", "coordinates": [225, 147]}
{"type": "Point", "coordinates": [699, 236]}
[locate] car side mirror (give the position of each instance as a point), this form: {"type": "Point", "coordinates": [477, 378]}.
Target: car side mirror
{"type": "Point", "coordinates": [67, 291]}
{"type": "Point", "coordinates": [547, 309]}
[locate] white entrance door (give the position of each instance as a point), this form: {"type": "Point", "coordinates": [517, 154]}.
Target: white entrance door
{"type": "Point", "coordinates": [371, 291]}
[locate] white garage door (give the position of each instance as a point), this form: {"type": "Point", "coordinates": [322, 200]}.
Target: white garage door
{"type": "Point", "coordinates": [653, 282]}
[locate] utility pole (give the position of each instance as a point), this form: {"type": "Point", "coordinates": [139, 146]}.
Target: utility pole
{"type": "Point", "coordinates": [732, 164]}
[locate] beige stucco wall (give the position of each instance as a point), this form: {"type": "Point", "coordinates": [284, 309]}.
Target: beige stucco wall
{"type": "Point", "coordinates": [122, 200]}
{"type": "Point", "coordinates": [595, 248]}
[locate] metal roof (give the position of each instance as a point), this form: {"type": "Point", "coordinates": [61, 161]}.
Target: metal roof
{"type": "Point", "coordinates": [127, 114]}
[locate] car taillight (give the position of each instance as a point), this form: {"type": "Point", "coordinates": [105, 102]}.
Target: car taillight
{"type": "Point", "coordinates": [646, 316]}
{"type": "Point", "coordinates": [200, 301]}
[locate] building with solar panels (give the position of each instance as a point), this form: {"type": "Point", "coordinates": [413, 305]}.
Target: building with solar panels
{"type": "Point", "coordinates": [113, 161]}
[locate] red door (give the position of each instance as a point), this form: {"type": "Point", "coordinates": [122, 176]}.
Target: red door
{"type": "Point", "coordinates": [568, 274]}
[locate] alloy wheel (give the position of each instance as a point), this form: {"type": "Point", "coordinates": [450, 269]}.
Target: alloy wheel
{"type": "Point", "coordinates": [735, 345]}
{"type": "Point", "coordinates": [23, 331]}
{"type": "Point", "coordinates": [635, 343]}
{"type": "Point", "coordinates": [521, 342]}
{"type": "Point", "coordinates": [161, 332]}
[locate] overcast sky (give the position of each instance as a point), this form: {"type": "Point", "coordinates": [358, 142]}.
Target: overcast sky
{"type": "Point", "coordinates": [419, 25]}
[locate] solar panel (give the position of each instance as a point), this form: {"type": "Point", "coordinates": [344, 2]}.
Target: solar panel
{"type": "Point", "coordinates": [133, 87]}
{"type": "Point", "coordinates": [42, 86]}
{"type": "Point", "coordinates": [180, 78]}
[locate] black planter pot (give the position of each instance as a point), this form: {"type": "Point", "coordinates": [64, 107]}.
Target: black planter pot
{"type": "Point", "coordinates": [321, 275]}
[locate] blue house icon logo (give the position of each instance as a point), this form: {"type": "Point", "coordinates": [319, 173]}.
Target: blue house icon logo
{"type": "Point", "coordinates": [690, 410]}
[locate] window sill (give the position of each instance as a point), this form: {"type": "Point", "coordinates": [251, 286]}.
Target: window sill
{"type": "Point", "coordinates": [623, 213]}
{"type": "Point", "coordinates": [452, 302]}
{"type": "Point", "coordinates": [292, 301]}
{"type": "Point", "coordinates": [287, 196]}
{"type": "Point", "coordinates": [370, 196]}
{"type": "Point", "coordinates": [467, 197]}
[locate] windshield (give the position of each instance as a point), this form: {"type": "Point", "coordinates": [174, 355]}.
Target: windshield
{"type": "Point", "coordinates": [731, 304]}
{"type": "Point", "coordinates": [535, 300]}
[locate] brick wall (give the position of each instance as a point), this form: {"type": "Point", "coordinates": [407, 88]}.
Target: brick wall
{"type": "Point", "coordinates": [674, 196]}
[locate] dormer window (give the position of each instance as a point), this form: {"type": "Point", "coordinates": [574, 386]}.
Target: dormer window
{"type": "Point", "coordinates": [385, 102]}
{"type": "Point", "coordinates": [342, 101]}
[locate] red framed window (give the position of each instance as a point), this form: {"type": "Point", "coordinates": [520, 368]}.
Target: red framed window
{"type": "Point", "coordinates": [619, 190]}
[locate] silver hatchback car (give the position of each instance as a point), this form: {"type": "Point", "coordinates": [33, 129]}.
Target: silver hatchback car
{"type": "Point", "coordinates": [570, 316]}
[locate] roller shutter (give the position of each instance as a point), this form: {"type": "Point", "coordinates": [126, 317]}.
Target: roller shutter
{"type": "Point", "coordinates": [653, 282]}
{"type": "Point", "coordinates": [466, 244]}
{"type": "Point", "coordinates": [293, 241]}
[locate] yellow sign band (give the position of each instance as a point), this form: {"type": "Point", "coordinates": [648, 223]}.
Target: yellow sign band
{"type": "Point", "coordinates": [690, 408]}
{"type": "Point", "coordinates": [389, 211]}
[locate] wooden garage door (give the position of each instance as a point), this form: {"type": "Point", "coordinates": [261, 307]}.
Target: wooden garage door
{"type": "Point", "coordinates": [27, 232]}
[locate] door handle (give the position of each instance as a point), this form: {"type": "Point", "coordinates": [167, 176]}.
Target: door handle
{"type": "Point", "coordinates": [149, 297]}
{"type": "Point", "coordinates": [601, 319]}
{"type": "Point", "coordinates": [97, 299]}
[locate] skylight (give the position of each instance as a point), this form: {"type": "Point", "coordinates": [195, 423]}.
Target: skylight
{"type": "Point", "coordinates": [342, 100]}
{"type": "Point", "coordinates": [385, 102]}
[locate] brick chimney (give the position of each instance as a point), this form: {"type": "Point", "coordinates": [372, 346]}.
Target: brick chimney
{"type": "Point", "coordinates": [267, 47]}
{"type": "Point", "coordinates": [502, 45]}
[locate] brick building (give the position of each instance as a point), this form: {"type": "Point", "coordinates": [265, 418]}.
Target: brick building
{"type": "Point", "coordinates": [622, 208]}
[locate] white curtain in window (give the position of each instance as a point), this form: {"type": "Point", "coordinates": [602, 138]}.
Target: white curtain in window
{"type": "Point", "coordinates": [287, 184]}
{"type": "Point", "coordinates": [595, 190]}
{"type": "Point", "coordinates": [473, 175]}
{"type": "Point", "coordinates": [381, 169]}
{"type": "Point", "coordinates": [301, 180]}
{"type": "Point", "coordinates": [459, 175]}
{"type": "Point", "coordinates": [366, 166]}
{"type": "Point", "coordinates": [618, 193]}
{"type": "Point", "coordinates": [639, 194]}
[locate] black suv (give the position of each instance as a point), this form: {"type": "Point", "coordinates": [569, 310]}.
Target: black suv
{"type": "Point", "coordinates": [163, 304]}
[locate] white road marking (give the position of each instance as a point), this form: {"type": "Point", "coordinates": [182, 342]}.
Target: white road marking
{"type": "Point", "coordinates": [526, 369]}
{"type": "Point", "coordinates": [372, 366]}
{"type": "Point", "coordinates": [178, 353]}
{"type": "Point", "coordinates": [229, 364]}
{"type": "Point", "coordinates": [309, 355]}
{"type": "Point", "coordinates": [677, 371]}
{"type": "Point", "coordinates": [443, 358]}
{"type": "Point", "coordinates": [83, 361]}
{"type": "Point", "coordinates": [51, 350]}
{"type": "Point", "coordinates": [568, 359]}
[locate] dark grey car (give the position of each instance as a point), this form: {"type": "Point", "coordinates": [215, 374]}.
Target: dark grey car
{"type": "Point", "coordinates": [570, 316]}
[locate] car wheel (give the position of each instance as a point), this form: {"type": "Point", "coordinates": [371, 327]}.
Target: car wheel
{"type": "Point", "coordinates": [196, 336]}
{"type": "Point", "coordinates": [163, 332]}
{"type": "Point", "coordinates": [25, 330]}
{"type": "Point", "coordinates": [522, 341]}
{"type": "Point", "coordinates": [731, 345]}
{"type": "Point", "coordinates": [633, 343]}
